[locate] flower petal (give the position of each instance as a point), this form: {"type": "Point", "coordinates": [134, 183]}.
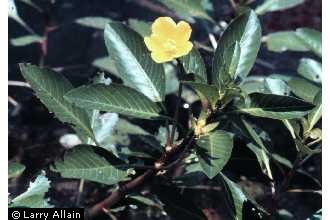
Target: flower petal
{"type": "Point", "coordinates": [183, 31]}
{"type": "Point", "coordinates": [168, 39]}
{"type": "Point", "coordinates": [184, 49]}
{"type": "Point", "coordinates": [165, 27]}
{"type": "Point", "coordinates": [161, 57]}
{"type": "Point", "coordinates": [153, 43]}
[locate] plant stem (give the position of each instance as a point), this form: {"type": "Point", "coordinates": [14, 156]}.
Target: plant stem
{"type": "Point", "coordinates": [178, 104]}
{"type": "Point", "coordinates": [80, 190]}
{"type": "Point", "coordinates": [249, 2]}
{"type": "Point", "coordinates": [18, 83]}
{"type": "Point", "coordinates": [204, 47]}
{"type": "Point", "coordinates": [265, 64]}
{"type": "Point", "coordinates": [182, 155]}
{"type": "Point", "coordinates": [289, 176]}
{"type": "Point", "coordinates": [117, 195]}
{"type": "Point", "coordinates": [176, 115]}
{"type": "Point", "coordinates": [233, 4]}
{"type": "Point", "coordinates": [213, 41]}
{"type": "Point", "coordinates": [285, 184]}
{"type": "Point", "coordinates": [127, 187]}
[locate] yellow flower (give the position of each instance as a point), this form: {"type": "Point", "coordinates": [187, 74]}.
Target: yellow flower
{"type": "Point", "coordinates": [168, 40]}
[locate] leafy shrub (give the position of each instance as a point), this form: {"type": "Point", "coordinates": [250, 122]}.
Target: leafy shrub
{"type": "Point", "coordinates": [215, 107]}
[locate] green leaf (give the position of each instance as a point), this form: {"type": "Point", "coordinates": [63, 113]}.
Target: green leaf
{"type": "Point", "coordinates": [145, 200]}
{"type": "Point", "coordinates": [231, 57]}
{"type": "Point", "coordinates": [50, 88]}
{"type": "Point", "coordinates": [253, 84]}
{"type": "Point", "coordinates": [30, 3]}
{"type": "Point", "coordinates": [303, 89]}
{"type": "Point", "coordinates": [129, 128]}
{"type": "Point", "coordinates": [133, 61]}
{"type": "Point", "coordinates": [256, 146]}
{"type": "Point", "coordinates": [172, 82]}
{"type": "Point", "coordinates": [33, 197]}
{"type": "Point", "coordinates": [303, 39]}
{"type": "Point", "coordinates": [282, 76]}
{"type": "Point", "coordinates": [277, 86]}
{"type": "Point", "coordinates": [210, 127]}
{"type": "Point", "coordinates": [276, 106]}
{"type": "Point", "coordinates": [276, 5]}
{"type": "Point", "coordinates": [205, 91]}
{"type": "Point", "coordinates": [304, 149]}
{"type": "Point", "coordinates": [141, 27]}
{"type": "Point", "coordinates": [315, 115]}
{"type": "Point", "coordinates": [284, 40]}
{"type": "Point", "coordinates": [93, 22]}
{"type": "Point", "coordinates": [310, 69]}
{"type": "Point", "coordinates": [113, 134]}
{"type": "Point", "coordinates": [214, 152]}
{"type": "Point", "coordinates": [12, 13]}
{"type": "Point", "coordinates": [12, 10]}
{"type": "Point", "coordinates": [282, 160]}
{"type": "Point", "coordinates": [188, 9]}
{"type": "Point", "coordinates": [228, 65]}
{"type": "Point", "coordinates": [251, 133]}
{"type": "Point", "coordinates": [94, 115]}
{"type": "Point", "coordinates": [193, 63]}
{"type": "Point", "coordinates": [263, 84]}
{"type": "Point", "coordinates": [241, 38]}
{"type": "Point", "coordinates": [103, 126]}
{"type": "Point", "coordinates": [161, 136]}
{"type": "Point", "coordinates": [15, 170]}
{"type": "Point", "coordinates": [235, 197]}
{"type": "Point", "coordinates": [106, 64]}
{"type": "Point", "coordinates": [111, 131]}
{"type": "Point", "coordinates": [283, 214]}
{"type": "Point", "coordinates": [311, 39]}
{"type": "Point", "coordinates": [83, 163]}
{"type": "Point", "coordinates": [263, 159]}
{"type": "Point", "coordinates": [114, 98]}
{"type": "Point", "coordinates": [317, 215]}
{"type": "Point", "coordinates": [25, 40]}
{"type": "Point", "coordinates": [293, 127]}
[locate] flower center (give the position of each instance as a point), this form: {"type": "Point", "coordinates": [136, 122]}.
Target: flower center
{"type": "Point", "coordinates": [170, 46]}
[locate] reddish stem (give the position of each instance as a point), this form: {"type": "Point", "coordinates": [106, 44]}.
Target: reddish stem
{"type": "Point", "coordinates": [126, 188]}
{"type": "Point", "coordinates": [117, 195]}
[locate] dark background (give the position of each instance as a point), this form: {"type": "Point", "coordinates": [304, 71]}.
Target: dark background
{"type": "Point", "coordinates": [34, 133]}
